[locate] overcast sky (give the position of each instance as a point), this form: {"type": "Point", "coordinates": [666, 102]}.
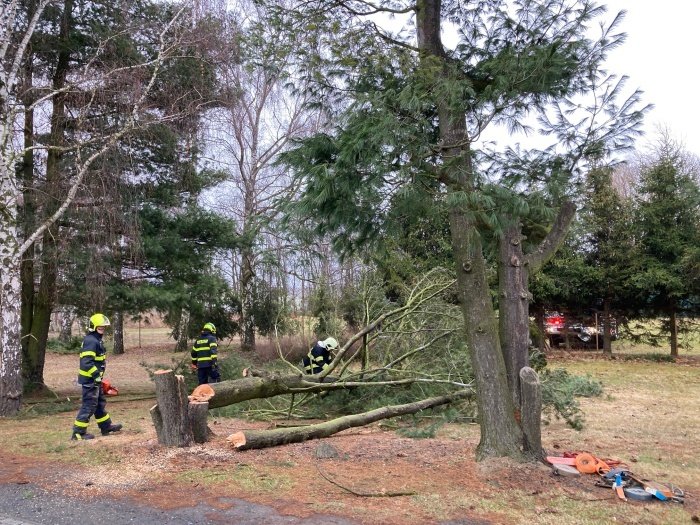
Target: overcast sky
{"type": "Point", "coordinates": [661, 58]}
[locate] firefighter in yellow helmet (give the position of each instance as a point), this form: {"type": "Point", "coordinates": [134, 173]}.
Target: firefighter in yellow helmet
{"type": "Point", "coordinates": [204, 355]}
{"type": "Point", "coordinates": [320, 356]}
{"type": "Point", "coordinates": [92, 369]}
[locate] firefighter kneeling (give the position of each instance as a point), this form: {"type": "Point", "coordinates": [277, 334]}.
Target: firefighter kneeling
{"type": "Point", "coordinates": [320, 357]}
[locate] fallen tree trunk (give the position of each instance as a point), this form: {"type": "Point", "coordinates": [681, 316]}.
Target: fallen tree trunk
{"type": "Point", "coordinates": [259, 385]}
{"type": "Point", "coordinates": [237, 390]}
{"type": "Point", "coordinates": [254, 439]}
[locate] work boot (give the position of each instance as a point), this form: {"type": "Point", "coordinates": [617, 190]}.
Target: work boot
{"type": "Point", "coordinates": [77, 436]}
{"type": "Point", "coordinates": [111, 428]}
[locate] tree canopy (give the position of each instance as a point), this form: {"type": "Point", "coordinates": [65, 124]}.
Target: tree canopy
{"type": "Point", "coordinates": [408, 113]}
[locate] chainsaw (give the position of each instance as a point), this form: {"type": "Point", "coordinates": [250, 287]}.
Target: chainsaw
{"type": "Point", "coordinates": [108, 388]}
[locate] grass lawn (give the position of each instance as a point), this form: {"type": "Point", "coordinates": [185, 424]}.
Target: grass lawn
{"type": "Point", "coordinates": [648, 417]}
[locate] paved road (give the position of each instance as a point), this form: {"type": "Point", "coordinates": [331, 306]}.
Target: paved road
{"type": "Point", "coordinates": [27, 504]}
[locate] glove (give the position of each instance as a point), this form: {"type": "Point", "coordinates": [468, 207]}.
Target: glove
{"type": "Point", "coordinates": [98, 380]}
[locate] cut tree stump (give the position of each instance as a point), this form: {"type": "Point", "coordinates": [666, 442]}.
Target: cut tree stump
{"type": "Point", "coordinates": [531, 411]}
{"type": "Point", "coordinates": [255, 439]}
{"type": "Point", "coordinates": [171, 413]}
{"type": "Point", "coordinates": [198, 413]}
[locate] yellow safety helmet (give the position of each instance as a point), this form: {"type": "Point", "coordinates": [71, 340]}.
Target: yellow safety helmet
{"type": "Point", "coordinates": [331, 343]}
{"type": "Point", "coordinates": [98, 320]}
{"type": "Point", "coordinates": [210, 328]}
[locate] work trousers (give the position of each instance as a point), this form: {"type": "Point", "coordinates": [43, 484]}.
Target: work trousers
{"type": "Point", "coordinates": [204, 373]}
{"type": "Point", "coordinates": [94, 404]}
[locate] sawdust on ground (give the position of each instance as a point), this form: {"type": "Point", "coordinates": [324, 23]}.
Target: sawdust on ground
{"type": "Point", "coordinates": [376, 477]}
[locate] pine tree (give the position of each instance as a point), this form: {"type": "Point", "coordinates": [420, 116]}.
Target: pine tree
{"type": "Point", "coordinates": [668, 231]}
{"type": "Point", "coordinates": [74, 142]}
{"type": "Point", "coordinates": [607, 246]}
{"type": "Point", "coordinates": [408, 109]}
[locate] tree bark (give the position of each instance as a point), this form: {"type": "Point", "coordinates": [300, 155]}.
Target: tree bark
{"type": "Point", "coordinates": [255, 439]}
{"type": "Point", "coordinates": [170, 416]}
{"type": "Point", "coordinates": [673, 322]}
{"type": "Point", "coordinates": [10, 304]}
{"type": "Point", "coordinates": [182, 331]}
{"type": "Point", "coordinates": [198, 414]}
{"type": "Point", "coordinates": [513, 300]}
{"type": "Point", "coordinates": [118, 331]}
{"type": "Point", "coordinates": [514, 271]}
{"type": "Point", "coordinates": [247, 298]}
{"type": "Point", "coordinates": [546, 249]}
{"type": "Point", "coordinates": [35, 357]}
{"type": "Point", "coordinates": [531, 403]}
{"type": "Point", "coordinates": [500, 433]}
{"type": "Point", "coordinates": [28, 209]}
{"type": "Point", "coordinates": [66, 324]}
{"type": "Point", "coordinates": [607, 328]}
{"type": "Point", "coordinates": [542, 342]}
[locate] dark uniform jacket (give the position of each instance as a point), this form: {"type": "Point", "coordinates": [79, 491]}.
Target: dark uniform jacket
{"type": "Point", "coordinates": [317, 359]}
{"type": "Point", "coordinates": [92, 359]}
{"type": "Point", "coordinates": [204, 351]}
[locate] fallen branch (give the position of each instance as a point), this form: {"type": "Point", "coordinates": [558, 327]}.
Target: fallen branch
{"type": "Point", "coordinates": [382, 494]}
{"type": "Point", "coordinates": [256, 439]}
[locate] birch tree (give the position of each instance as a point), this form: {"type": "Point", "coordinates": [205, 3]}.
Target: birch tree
{"type": "Point", "coordinates": [18, 26]}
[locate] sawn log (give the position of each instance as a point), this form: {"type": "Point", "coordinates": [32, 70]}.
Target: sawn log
{"type": "Point", "coordinates": [260, 385]}
{"type": "Point", "coordinates": [255, 439]}
{"type": "Point", "coordinates": [237, 390]}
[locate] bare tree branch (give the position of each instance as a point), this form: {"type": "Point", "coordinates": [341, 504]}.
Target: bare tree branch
{"type": "Point", "coordinates": [109, 142]}
{"type": "Point", "coordinates": [416, 298]}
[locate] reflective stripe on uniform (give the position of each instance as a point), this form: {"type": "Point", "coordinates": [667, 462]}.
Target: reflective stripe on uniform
{"type": "Point", "coordinates": [316, 363]}
{"type": "Point", "coordinates": [81, 424]}
{"type": "Point", "coordinates": [89, 373]}
{"type": "Point", "coordinates": [204, 350]}
{"type": "Point", "coordinates": [102, 419]}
